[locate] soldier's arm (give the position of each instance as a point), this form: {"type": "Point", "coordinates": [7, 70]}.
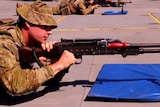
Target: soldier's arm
{"type": "Point", "coordinates": [85, 10]}
{"type": "Point", "coordinates": [17, 80]}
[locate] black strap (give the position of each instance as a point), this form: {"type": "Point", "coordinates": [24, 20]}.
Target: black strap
{"type": "Point", "coordinates": [36, 58]}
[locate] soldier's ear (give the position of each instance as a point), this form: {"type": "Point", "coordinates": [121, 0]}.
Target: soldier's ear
{"type": "Point", "coordinates": [27, 25]}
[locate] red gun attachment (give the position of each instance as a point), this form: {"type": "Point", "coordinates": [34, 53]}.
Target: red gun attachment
{"type": "Point", "coordinates": [117, 45]}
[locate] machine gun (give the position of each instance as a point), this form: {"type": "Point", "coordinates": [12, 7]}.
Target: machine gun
{"type": "Point", "coordinates": [107, 3]}
{"type": "Point", "coordinates": [80, 47]}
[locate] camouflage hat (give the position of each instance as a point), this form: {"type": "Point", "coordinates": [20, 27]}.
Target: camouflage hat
{"type": "Point", "coordinates": [37, 13]}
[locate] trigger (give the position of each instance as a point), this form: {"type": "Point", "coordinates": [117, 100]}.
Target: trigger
{"type": "Point", "coordinates": [79, 61]}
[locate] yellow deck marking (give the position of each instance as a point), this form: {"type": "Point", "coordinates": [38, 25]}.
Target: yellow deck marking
{"type": "Point", "coordinates": [103, 29]}
{"type": "Point", "coordinates": [155, 18]}
{"type": "Point", "coordinates": [60, 18]}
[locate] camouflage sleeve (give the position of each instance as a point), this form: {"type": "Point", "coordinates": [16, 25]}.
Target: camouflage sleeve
{"type": "Point", "coordinates": [56, 9]}
{"type": "Point", "coordinates": [83, 9]}
{"type": "Point", "coordinates": [16, 80]}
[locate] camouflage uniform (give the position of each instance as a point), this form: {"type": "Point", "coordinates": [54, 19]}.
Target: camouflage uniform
{"type": "Point", "coordinates": [120, 1]}
{"type": "Point", "coordinates": [17, 79]}
{"type": "Point", "coordinates": [67, 7]}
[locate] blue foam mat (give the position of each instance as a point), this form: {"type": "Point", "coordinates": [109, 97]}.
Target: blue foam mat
{"type": "Point", "coordinates": [127, 82]}
{"type": "Point", "coordinates": [115, 12]}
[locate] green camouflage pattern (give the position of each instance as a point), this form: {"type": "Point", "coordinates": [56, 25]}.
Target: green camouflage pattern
{"type": "Point", "coordinates": [37, 13]}
{"type": "Point", "coordinates": [15, 79]}
{"type": "Point", "coordinates": [6, 21]}
{"type": "Point", "coordinates": [75, 7]}
{"type": "Point", "coordinates": [83, 8]}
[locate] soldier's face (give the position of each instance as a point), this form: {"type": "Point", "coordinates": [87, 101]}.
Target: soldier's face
{"type": "Point", "coordinates": [90, 1]}
{"type": "Point", "coordinates": [39, 33]}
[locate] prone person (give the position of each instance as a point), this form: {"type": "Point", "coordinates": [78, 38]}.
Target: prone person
{"type": "Point", "coordinates": [33, 27]}
{"type": "Point", "coordinates": [82, 7]}
{"type": "Point", "coordinates": [68, 7]}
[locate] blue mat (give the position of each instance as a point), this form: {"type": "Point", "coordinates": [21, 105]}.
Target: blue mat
{"type": "Point", "coordinates": [115, 12]}
{"type": "Point", "coordinates": [127, 82]}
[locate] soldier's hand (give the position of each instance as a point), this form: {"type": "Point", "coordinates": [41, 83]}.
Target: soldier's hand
{"type": "Point", "coordinates": [95, 6]}
{"type": "Point", "coordinates": [48, 45]}
{"type": "Point", "coordinates": [67, 59]}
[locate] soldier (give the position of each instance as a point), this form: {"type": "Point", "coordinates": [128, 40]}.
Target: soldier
{"type": "Point", "coordinates": [33, 27]}
{"type": "Point", "coordinates": [82, 7]}
{"type": "Point", "coordinates": [67, 7]}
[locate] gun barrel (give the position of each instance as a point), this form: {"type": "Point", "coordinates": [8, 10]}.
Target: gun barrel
{"type": "Point", "coordinates": [144, 44]}
{"type": "Point", "coordinates": [124, 45]}
{"type": "Point", "coordinates": [149, 50]}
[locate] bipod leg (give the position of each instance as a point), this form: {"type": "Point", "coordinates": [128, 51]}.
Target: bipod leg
{"type": "Point", "coordinates": [122, 9]}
